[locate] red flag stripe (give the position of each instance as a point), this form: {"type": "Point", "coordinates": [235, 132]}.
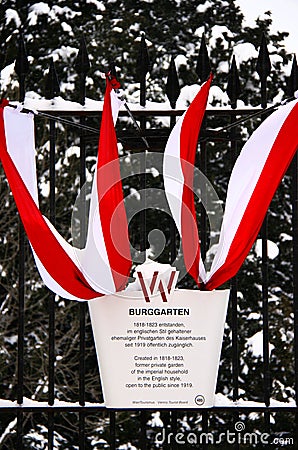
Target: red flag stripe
{"type": "Point", "coordinates": [178, 169]}
{"type": "Point", "coordinates": [190, 129]}
{"type": "Point", "coordinates": [110, 197]}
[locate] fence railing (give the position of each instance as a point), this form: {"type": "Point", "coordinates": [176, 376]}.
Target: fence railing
{"type": "Point", "coordinates": [17, 410]}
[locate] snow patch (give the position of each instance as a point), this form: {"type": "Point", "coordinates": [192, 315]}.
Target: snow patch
{"type": "Point", "coordinates": [285, 237]}
{"type": "Point", "coordinates": [36, 10]}
{"type": "Point", "coordinates": [244, 52]}
{"type": "Point", "coordinates": [12, 15]}
{"type": "Point", "coordinates": [220, 32]}
{"type": "Point", "coordinates": [99, 5]}
{"type": "Point", "coordinates": [255, 344]}
{"type": "Point", "coordinates": [202, 8]}
{"type": "Point", "coordinates": [272, 249]}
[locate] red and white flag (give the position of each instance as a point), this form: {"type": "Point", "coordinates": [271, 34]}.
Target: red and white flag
{"type": "Point", "coordinates": [255, 177]}
{"type": "Point", "coordinates": [103, 266]}
{"type": "Point", "coordinates": [178, 171]}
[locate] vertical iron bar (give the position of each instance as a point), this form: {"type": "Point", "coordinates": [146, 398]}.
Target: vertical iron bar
{"type": "Point", "coordinates": [172, 92]}
{"type": "Point", "coordinates": [203, 217]}
{"type": "Point", "coordinates": [203, 69]}
{"type": "Point", "coordinates": [263, 68]}
{"type": "Point", "coordinates": [20, 418]}
{"type": "Point", "coordinates": [205, 427]}
{"type": "Point", "coordinates": [292, 86]}
{"type": "Point", "coordinates": [51, 306]}
{"type": "Point", "coordinates": [142, 69]}
{"type": "Point", "coordinates": [142, 64]}
{"type": "Point", "coordinates": [143, 184]}
{"type": "Point", "coordinates": [167, 445]}
{"type": "Point", "coordinates": [264, 234]}
{"type": "Point", "coordinates": [82, 67]}
{"type": "Point", "coordinates": [143, 424]}
{"type": "Point", "coordinates": [173, 250]}
{"type": "Point", "coordinates": [174, 428]}
{"type": "Point", "coordinates": [21, 68]}
{"type": "Point", "coordinates": [52, 90]}
{"type": "Point", "coordinates": [233, 298]}
{"type": "Point", "coordinates": [112, 430]}
{"type": "Point", "coordinates": [295, 271]}
{"type": "Point", "coordinates": [233, 91]}
{"type": "Point", "coordinates": [82, 306]}
{"type": "Point", "coordinates": [235, 359]}
{"type": "Point", "coordinates": [20, 390]}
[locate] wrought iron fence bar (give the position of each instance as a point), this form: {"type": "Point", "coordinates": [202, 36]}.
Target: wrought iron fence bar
{"type": "Point", "coordinates": [174, 427]}
{"type": "Point", "coordinates": [112, 430]}
{"type": "Point", "coordinates": [295, 272]}
{"type": "Point", "coordinates": [263, 68]}
{"type": "Point", "coordinates": [143, 184]}
{"type": "Point", "coordinates": [166, 420]}
{"type": "Point", "coordinates": [21, 314]}
{"type": "Point", "coordinates": [234, 322]}
{"type": "Point", "coordinates": [51, 304]}
{"type": "Point", "coordinates": [233, 287]}
{"type": "Point", "coordinates": [82, 66]}
{"type": "Point", "coordinates": [205, 425]}
{"type": "Point", "coordinates": [143, 425]}
{"type": "Point", "coordinates": [51, 428]}
{"type": "Point", "coordinates": [82, 305]}
{"type": "Point", "coordinates": [82, 445]}
{"type": "Point", "coordinates": [203, 167]}
{"type": "Point", "coordinates": [21, 68]}
{"type": "Point", "coordinates": [235, 420]}
{"type": "Point", "coordinates": [292, 87]}
{"type": "Point", "coordinates": [173, 240]}
{"type": "Point", "coordinates": [20, 419]}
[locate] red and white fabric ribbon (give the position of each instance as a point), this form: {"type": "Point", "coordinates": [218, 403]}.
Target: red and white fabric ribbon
{"type": "Point", "coordinates": [103, 266]}
{"type": "Point", "coordinates": [178, 170]}
{"type": "Point", "coordinates": [255, 177]}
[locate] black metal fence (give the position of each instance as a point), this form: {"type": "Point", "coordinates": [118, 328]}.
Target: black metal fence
{"type": "Point", "coordinates": [140, 433]}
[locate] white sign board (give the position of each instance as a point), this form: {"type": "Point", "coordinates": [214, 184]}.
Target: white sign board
{"type": "Point", "coordinates": [159, 354]}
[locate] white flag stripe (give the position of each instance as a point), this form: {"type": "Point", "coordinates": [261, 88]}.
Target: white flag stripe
{"type": "Point", "coordinates": [20, 142]}
{"type": "Point", "coordinates": [98, 274]}
{"type": "Point", "coordinates": [173, 174]}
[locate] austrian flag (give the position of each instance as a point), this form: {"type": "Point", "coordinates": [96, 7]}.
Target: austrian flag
{"type": "Point", "coordinates": [103, 266]}
{"type": "Point", "coordinates": [255, 177]}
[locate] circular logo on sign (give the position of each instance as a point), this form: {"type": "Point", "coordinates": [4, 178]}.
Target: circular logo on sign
{"type": "Point", "coordinates": [200, 400]}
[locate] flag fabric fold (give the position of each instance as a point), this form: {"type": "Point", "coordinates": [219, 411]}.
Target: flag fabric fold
{"type": "Point", "coordinates": [178, 165]}
{"type": "Point", "coordinates": [255, 177]}
{"type": "Point", "coordinates": [79, 274]}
